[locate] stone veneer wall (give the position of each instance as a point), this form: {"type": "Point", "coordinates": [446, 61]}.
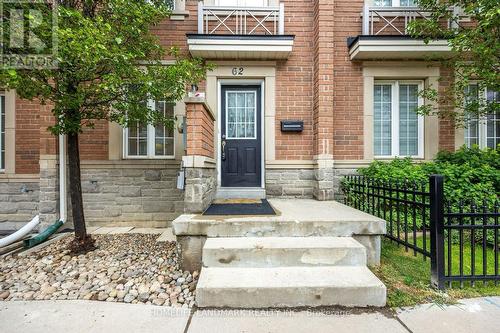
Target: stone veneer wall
{"type": "Point", "coordinates": [292, 183]}
{"type": "Point", "coordinates": [18, 203]}
{"type": "Point", "coordinates": [49, 190]}
{"type": "Point", "coordinates": [131, 196]}
{"type": "Point", "coordinates": [200, 189]}
{"type": "Point", "coordinates": [338, 174]}
{"type": "Point", "coordinates": [300, 183]}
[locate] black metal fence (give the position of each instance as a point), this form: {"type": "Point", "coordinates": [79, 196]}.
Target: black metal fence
{"type": "Point", "coordinates": [461, 239]}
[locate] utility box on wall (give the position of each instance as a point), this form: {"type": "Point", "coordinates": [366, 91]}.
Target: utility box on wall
{"type": "Point", "coordinates": [292, 125]}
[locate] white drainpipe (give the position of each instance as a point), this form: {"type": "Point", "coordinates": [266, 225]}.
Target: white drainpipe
{"type": "Point", "coordinates": [62, 179]}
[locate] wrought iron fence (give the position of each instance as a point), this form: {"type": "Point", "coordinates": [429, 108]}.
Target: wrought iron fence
{"type": "Point", "coordinates": [460, 238]}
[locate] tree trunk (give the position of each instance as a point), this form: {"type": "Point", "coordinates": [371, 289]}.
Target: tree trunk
{"type": "Point", "coordinates": [75, 188]}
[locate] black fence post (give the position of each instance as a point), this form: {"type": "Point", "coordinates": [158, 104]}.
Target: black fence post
{"type": "Point", "coordinates": [437, 230]}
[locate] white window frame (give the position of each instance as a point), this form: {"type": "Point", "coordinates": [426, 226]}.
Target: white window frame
{"type": "Point", "coordinates": [254, 114]}
{"type": "Point", "coordinates": [395, 3]}
{"type": "Point", "coordinates": [151, 137]}
{"type": "Point", "coordinates": [395, 118]}
{"type": "Point", "coordinates": [482, 123]}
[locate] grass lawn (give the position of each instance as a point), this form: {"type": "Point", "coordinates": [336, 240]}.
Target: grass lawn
{"type": "Point", "coordinates": [408, 277]}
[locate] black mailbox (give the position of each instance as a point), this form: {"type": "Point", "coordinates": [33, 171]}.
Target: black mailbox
{"type": "Point", "coordinates": [292, 125]}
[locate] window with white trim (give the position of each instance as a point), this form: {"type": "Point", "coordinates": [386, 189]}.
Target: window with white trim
{"type": "Point", "coordinates": [151, 141]}
{"type": "Point", "coordinates": [242, 3]}
{"type": "Point", "coordinates": [395, 3]}
{"type": "Point", "coordinates": [484, 131]}
{"type": "Point", "coordinates": [398, 129]}
{"type": "Point", "coordinates": [241, 114]}
{"type": "Point", "coordinates": [2, 132]}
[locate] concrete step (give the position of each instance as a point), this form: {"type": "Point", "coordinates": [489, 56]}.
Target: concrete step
{"type": "Point", "coordinates": [283, 251]}
{"type": "Point", "coordinates": [240, 193]}
{"type": "Point", "coordinates": [294, 218]}
{"type": "Point", "coordinates": [289, 287]}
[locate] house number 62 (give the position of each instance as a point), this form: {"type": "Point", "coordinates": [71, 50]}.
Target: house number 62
{"type": "Point", "coordinates": [237, 71]}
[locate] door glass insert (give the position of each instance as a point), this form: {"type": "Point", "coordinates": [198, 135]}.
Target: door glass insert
{"type": "Point", "coordinates": [241, 114]}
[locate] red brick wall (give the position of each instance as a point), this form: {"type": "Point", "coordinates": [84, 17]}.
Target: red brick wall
{"type": "Point", "coordinates": [323, 77]}
{"type": "Point", "coordinates": [294, 84]}
{"type": "Point", "coordinates": [348, 84]}
{"type": "Point", "coordinates": [48, 141]}
{"type": "Point", "coordinates": [446, 125]}
{"type": "Point", "coordinates": [294, 77]}
{"type": "Point", "coordinates": [318, 84]}
{"type": "Point", "coordinates": [200, 130]}
{"type": "Point", "coordinates": [94, 142]}
{"type": "Point", "coordinates": [27, 136]}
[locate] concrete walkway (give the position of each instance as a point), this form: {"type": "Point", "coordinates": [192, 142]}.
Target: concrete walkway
{"type": "Point", "coordinates": [473, 315]}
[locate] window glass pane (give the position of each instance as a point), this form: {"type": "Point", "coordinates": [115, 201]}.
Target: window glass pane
{"type": "Point", "coordinates": [493, 121]}
{"type": "Point", "coordinates": [240, 131]}
{"type": "Point", "coordinates": [472, 122]}
{"type": "Point", "coordinates": [132, 147]}
{"type": "Point", "coordinates": [241, 119]}
{"type": "Point", "coordinates": [383, 3]}
{"type": "Point", "coordinates": [246, 3]}
{"type": "Point", "coordinates": [161, 139]}
{"type": "Point", "coordinates": [143, 147]}
{"type": "Point", "coordinates": [408, 120]}
{"type": "Point", "coordinates": [231, 130]}
{"type": "Point", "coordinates": [382, 119]}
{"type": "Point", "coordinates": [137, 137]}
{"type": "Point", "coordinates": [472, 131]}
{"type": "Point", "coordinates": [170, 4]}
{"type": "Point", "coordinates": [408, 3]}
{"type": "Point", "coordinates": [164, 135]}
{"type": "Point", "coordinates": [231, 100]}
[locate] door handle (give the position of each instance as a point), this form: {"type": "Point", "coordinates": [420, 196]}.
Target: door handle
{"type": "Point", "coordinates": [223, 150]}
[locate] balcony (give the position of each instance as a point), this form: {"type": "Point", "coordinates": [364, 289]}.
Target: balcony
{"type": "Point", "coordinates": [384, 36]}
{"type": "Point", "coordinates": [256, 33]}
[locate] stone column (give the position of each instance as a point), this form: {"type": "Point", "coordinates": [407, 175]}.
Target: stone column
{"type": "Point", "coordinates": [199, 162]}
{"type": "Point", "coordinates": [323, 176]}
{"type": "Point", "coordinates": [49, 174]}
{"type": "Point", "coordinates": [49, 190]}
{"type": "Point", "coordinates": [201, 175]}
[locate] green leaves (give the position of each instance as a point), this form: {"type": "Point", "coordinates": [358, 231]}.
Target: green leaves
{"type": "Point", "coordinates": [470, 173]}
{"type": "Point", "coordinates": [109, 64]}
{"type": "Point", "coordinates": [474, 37]}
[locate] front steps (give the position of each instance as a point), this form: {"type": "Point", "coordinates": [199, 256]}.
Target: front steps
{"type": "Point", "coordinates": [283, 251]}
{"type": "Point", "coordinates": [289, 287]}
{"type": "Point", "coordinates": [286, 272]}
{"type": "Point", "coordinates": [240, 192]}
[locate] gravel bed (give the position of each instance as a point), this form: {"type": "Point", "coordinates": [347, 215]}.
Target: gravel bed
{"type": "Point", "coordinates": [130, 268]}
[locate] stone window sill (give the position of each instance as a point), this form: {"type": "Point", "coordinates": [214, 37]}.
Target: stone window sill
{"type": "Point", "coordinates": [179, 15]}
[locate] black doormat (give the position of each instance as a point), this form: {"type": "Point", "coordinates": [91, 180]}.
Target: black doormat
{"type": "Point", "coordinates": [259, 208]}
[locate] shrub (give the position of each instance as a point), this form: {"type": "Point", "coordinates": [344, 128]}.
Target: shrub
{"type": "Point", "coordinates": [470, 174]}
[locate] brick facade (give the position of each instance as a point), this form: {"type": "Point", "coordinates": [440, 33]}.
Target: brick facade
{"type": "Point", "coordinates": [294, 84]}
{"type": "Point", "coordinates": [200, 130]}
{"type": "Point", "coordinates": [317, 83]}
{"type": "Point", "coordinates": [28, 126]}
{"type": "Point", "coordinates": [348, 84]}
